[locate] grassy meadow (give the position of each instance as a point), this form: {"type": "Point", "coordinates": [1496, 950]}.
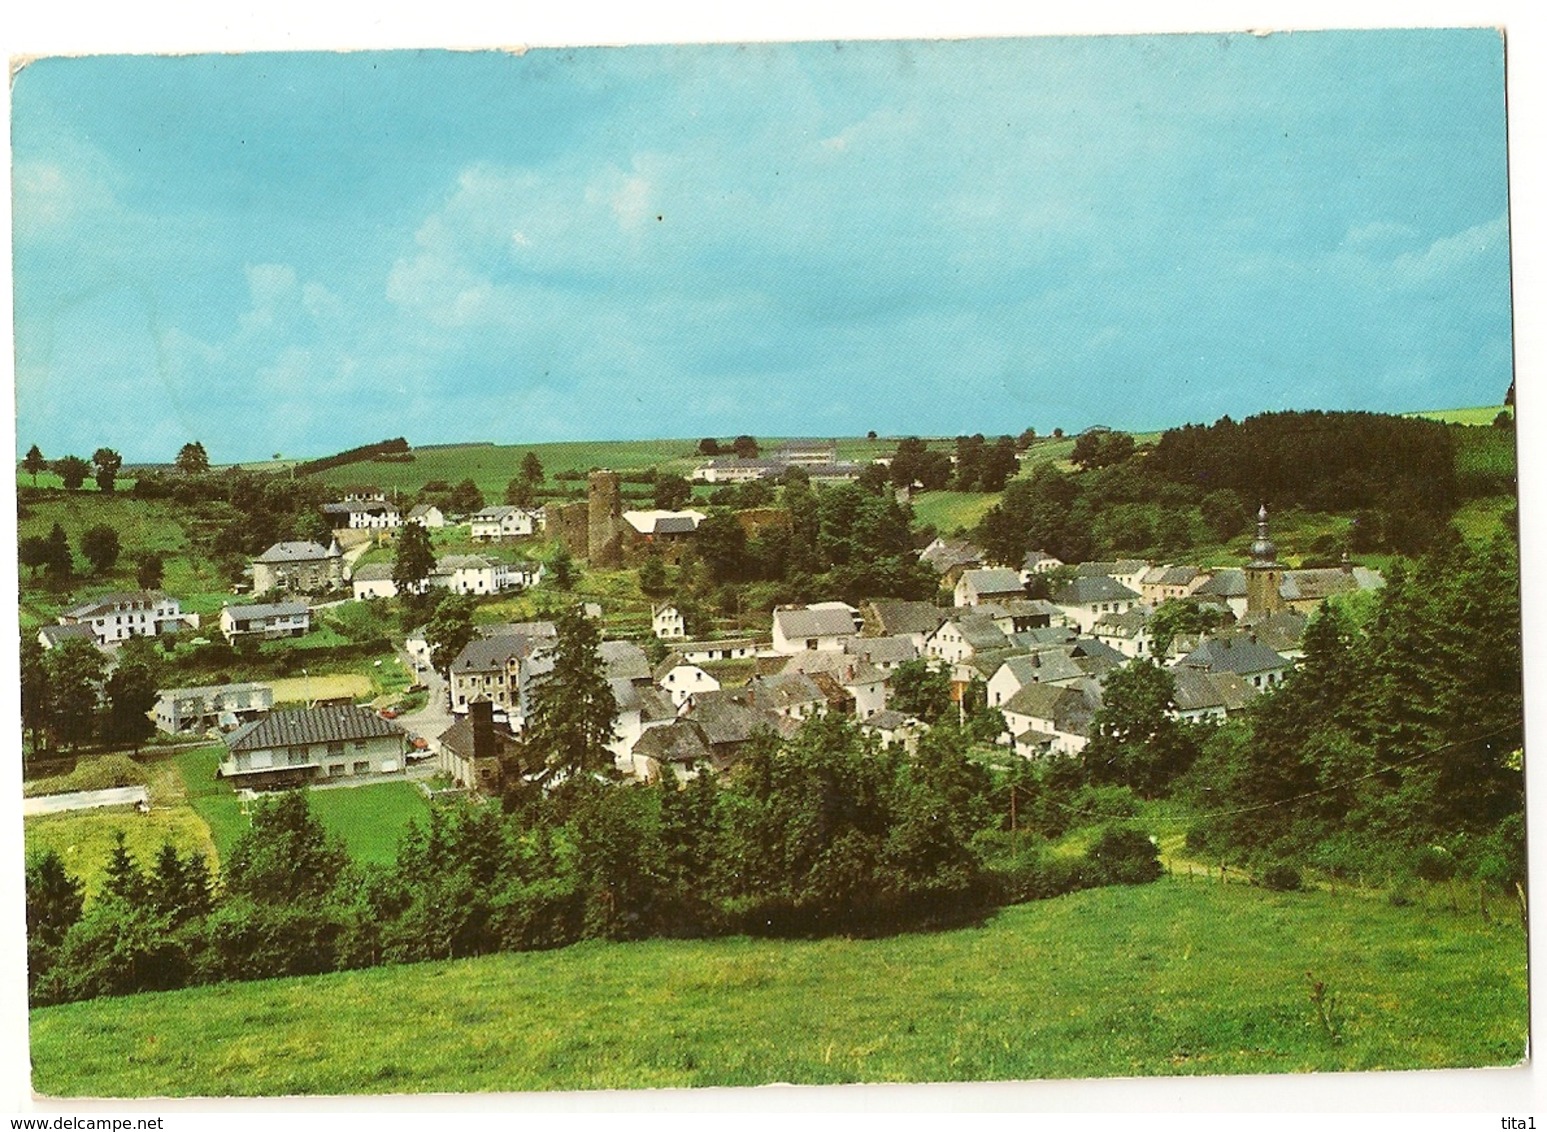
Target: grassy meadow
{"type": "Point", "coordinates": [1174, 978]}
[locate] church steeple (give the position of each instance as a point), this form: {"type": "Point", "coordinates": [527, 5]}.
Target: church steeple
{"type": "Point", "coordinates": [1264, 573]}
{"type": "Point", "coordinates": [1264, 552]}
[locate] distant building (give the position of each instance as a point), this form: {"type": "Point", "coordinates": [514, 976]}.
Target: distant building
{"type": "Point", "coordinates": [373, 580]}
{"type": "Point", "coordinates": [505, 522]}
{"type": "Point", "coordinates": [823, 626]}
{"type": "Point", "coordinates": [298, 567]}
{"type": "Point", "coordinates": [977, 586]}
{"type": "Point", "coordinates": [116, 617]}
{"type": "Point", "coordinates": [363, 514]}
{"type": "Point", "coordinates": [266, 620]}
{"type": "Point", "coordinates": [472, 750]}
{"type": "Point", "coordinates": [427, 515]}
{"type": "Point", "coordinates": [301, 745]}
{"type": "Point", "coordinates": [180, 710]}
{"type": "Point", "coordinates": [667, 623]}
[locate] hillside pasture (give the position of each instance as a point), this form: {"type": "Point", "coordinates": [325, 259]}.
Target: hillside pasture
{"type": "Point", "coordinates": [1477, 415]}
{"type": "Point", "coordinates": [1174, 978]}
{"type": "Point", "coordinates": [85, 839]}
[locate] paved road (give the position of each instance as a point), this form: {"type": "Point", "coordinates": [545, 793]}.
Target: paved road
{"type": "Point", "coordinates": [84, 800]}
{"type": "Point", "coordinates": [430, 720]}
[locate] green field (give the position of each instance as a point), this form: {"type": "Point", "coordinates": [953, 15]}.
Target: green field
{"type": "Point", "coordinates": [85, 839]}
{"type": "Point", "coordinates": [1478, 415]}
{"type": "Point", "coordinates": [370, 819]}
{"type": "Point", "coordinates": [1175, 978]}
{"type": "Point", "coordinates": [948, 511]}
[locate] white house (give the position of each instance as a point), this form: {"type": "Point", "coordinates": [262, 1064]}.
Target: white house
{"type": "Point", "coordinates": [276, 619]}
{"type": "Point", "coordinates": [862, 681]}
{"type": "Point", "coordinates": [296, 746]}
{"type": "Point", "coordinates": [1043, 719]}
{"type": "Point", "coordinates": [700, 652]}
{"type": "Point", "coordinates": [360, 514]}
{"type": "Point", "coordinates": [1083, 600]}
{"type": "Point", "coordinates": [217, 705]}
{"type": "Point", "coordinates": [118, 616]}
{"type": "Point", "coordinates": [1208, 695]}
{"type": "Point", "coordinates": [824, 626]}
{"type": "Point", "coordinates": [680, 679]}
{"type": "Point", "coordinates": [373, 580]}
{"type": "Point", "coordinates": [666, 622]}
{"type": "Point", "coordinates": [975, 586]}
{"type": "Point", "coordinates": [1246, 657]}
{"type": "Point", "coordinates": [504, 522]}
{"type": "Point", "coordinates": [426, 515]}
{"type": "Point", "coordinates": [470, 574]}
{"type": "Point", "coordinates": [1128, 633]}
{"type": "Point", "coordinates": [963, 636]}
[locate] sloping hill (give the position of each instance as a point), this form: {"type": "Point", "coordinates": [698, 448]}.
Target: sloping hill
{"type": "Point", "coordinates": [1178, 978]}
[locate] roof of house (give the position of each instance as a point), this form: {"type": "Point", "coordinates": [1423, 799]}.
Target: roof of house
{"type": "Point", "coordinates": [298, 552]}
{"type": "Point", "coordinates": [108, 603]}
{"type": "Point", "coordinates": [890, 618]}
{"type": "Point", "coordinates": [490, 654]}
{"type": "Point", "coordinates": [682, 741]}
{"type": "Point", "coordinates": [1069, 709]}
{"type": "Point", "coordinates": [887, 720]}
{"type": "Point", "coordinates": [1019, 607]}
{"type": "Point", "coordinates": [1035, 558]}
{"type": "Point", "coordinates": [266, 609]}
{"type": "Point", "coordinates": [1197, 690]}
{"type": "Point", "coordinates": [370, 506]}
{"type": "Point", "coordinates": [420, 510]}
{"type": "Point", "coordinates": [210, 690]}
{"type": "Point", "coordinates": [996, 580]}
{"type": "Point", "coordinates": [1107, 569]}
{"type": "Point", "coordinates": [814, 622]}
{"type": "Point", "coordinates": [535, 630]}
{"type": "Point", "coordinates": [1281, 630]}
{"type": "Point", "coordinates": [449, 562]}
{"type": "Point", "coordinates": [624, 660]}
{"type": "Point", "coordinates": [1093, 588]}
{"type": "Point", "coordinates": [495, 514]}
{"type": "Point", "coordinates": [847, 669]}
{"type": "Point", "coordinates": [1130, 623]}
{"type": "Point", "coordinates": [729, 643]}
{"type": "Point", "coordinates": [947, 555]}
{"type": "Point", "coordinates": [980, 632]}
{"type": "Point", "coordinates": [725, 718]}
{"type": "Point", "coordinates": [882, 650]}
{"type": "Point", "coordinates": [373, 572]}
{"type": "Point", "coordinates": [1169, 575]}
{"type": "Point", "coordinates": [1318, 585]}
{"type": "Point", "coordinates": [1241, 655]}
{"type": "Point", "coordinates": [58, 634]}
{"type": "Point", "coordinates": [784, 690]}
{"type": "Point", "coordinates": [295, 727]}
{"type": "Point", "coordinates": [664, 522]}
{"type": "Point", "coordinates": [1227, 582]}
{"type": "Point", "coordinates": [459, 737]}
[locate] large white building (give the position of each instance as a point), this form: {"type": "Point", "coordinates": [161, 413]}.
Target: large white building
{"type": "Point", "coordinates": [117, 617]}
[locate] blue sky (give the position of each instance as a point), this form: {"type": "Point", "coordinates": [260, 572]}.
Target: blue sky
{"type": "Point", "coordinates": [300, 253]}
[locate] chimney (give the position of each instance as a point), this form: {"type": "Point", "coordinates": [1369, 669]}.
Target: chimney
{"type": "Point", "coordinates": [480, 714]}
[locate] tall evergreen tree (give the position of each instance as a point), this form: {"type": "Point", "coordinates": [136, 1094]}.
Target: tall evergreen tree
{"type": "Point", "coordinates": [131, 693]}
{"type": "Point", "coordinates": [33, 463]}
{"type": "Point", "coordinates": [573, 707]}
{"type": "Point", "coordinates": [192, 460]}
{"type": "Point", "coordinates": [415, 559]}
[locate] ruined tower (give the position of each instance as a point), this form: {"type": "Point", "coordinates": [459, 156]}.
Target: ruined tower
{"type": "Point", "coordinates": [604, 531]}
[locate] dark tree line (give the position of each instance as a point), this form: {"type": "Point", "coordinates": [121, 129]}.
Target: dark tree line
{"type": "Point", "coordinates": [68, 699]}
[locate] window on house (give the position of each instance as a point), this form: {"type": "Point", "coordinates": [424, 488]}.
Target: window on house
{"type": "Point", "coordinates": [362, 767]}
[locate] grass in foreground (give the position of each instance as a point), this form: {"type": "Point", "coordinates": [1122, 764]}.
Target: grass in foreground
{"type": "Point", "coordinates": [1172, 978]}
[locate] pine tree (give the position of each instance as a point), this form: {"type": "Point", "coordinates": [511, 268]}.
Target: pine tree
{"type": "Point", "coordinates": [415, 559]}
{"type": "Point", "coordinates": [122, 879]}
{"type": "Point", "coordinates": [573, 707]}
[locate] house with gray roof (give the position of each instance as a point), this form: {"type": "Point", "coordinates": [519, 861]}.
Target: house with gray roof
{"type": "Point", "coordinates": [1168, 583]}
{"type": "Point", "coordinates": [373, 580]}
{"type": "Point", "coordinates": [1226, 588]}
{"type": "Point", "coordinates": [1046, 720]}
{"type": "Point", "coordinates": [1124, 571]}
{"type": "Point", "coordinates": [1203, 695]}
{"type": "Point", "coordinates": [885, 653]}
{"type": "Point", "coordinates": [266, 620]}
{"type": "Point", "coordinates": [916, 620]}
{"type": "Point", "coordinates": [52, 636]}
{"type": "Point", "coordinates": [798, 629]}
{"type": "Point", "coordinates": [1084, 599]}
{"type": "Point", "coordinates": [180, 710]}
{"type": "Point", "coordinates": [1247, 658]}
{"type": "Point", "coordinates": [977, 586]}
{"type": "Point", "coordinates": [1128, 633]}
{"type": "Point", "coordinates": [501, 667]}
{"type": "Point", "coordinates": [300, 745]}
{"type": "Point", "coordinates": [298, 567]}
{"type": "Point", "coordinates": [963, 635]}
{"type": "Point", "coordinates": [501, 522]}
{"type": "Point", "coordinates": [115, 617]}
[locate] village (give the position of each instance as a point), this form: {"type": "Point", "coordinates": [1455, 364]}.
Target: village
{"type": "Point", "coordinates": [687, 706]}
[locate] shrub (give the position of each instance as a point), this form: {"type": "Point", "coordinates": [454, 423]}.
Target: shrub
{"type": "Point", "coordinates": [1280, 877]}
{"type": "Point", "coordinates": [1123, 855]}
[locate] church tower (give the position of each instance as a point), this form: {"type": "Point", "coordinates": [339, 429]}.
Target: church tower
{"type": "Point", "coordinates": [1264, 573]}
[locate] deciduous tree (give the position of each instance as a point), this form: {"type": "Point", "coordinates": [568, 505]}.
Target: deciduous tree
{"type": "Point", "coordinates": [192, 460]}
{"type": "Point", "coordinates": [414, 560]}
{"type": "Point", "coordinates": [100, 546]}
{"type": "Point", "coordinates": [73, 471]}
{"type": "Point", "coordinates": [107, 463]}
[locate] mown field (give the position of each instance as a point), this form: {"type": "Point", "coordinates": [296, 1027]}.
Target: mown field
{"type": "Point", "coordinates": [1175, 978]}
{"type": "Point", "coordinates": [195, 810]}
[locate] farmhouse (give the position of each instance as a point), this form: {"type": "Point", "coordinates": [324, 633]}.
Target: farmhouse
{"type": "Point", "coordinates": [1044, 719]}
{"type": "Point", "coordinates": [976, 586]}
{"type": "Point", "coordinates": [666, 622]}
{"type": "Point", "coordinates": [426, 515]}
{"type": "Point", "coordinates": [116, 617]}
{"type": "Point", "coordinates": [1128, 633]}
{"type": "Point", "coordinates": [493, 523]}
{"type": "Point", "coordinates": [470, 574]}
{"type": "Point", "coordinates": [266, 620]}
{"type": "Point", "coordinates": [296, 746]}
{"type": "Point", "coordinates": [217, 705]}
{"type": "Point", "coordinates": [1163, 583]}
{"type": "Point", "coordinates": [373, 580]}
{"type": "Point", "coordinates": [823, 626]}
{"type": "Point", "coordinates": [361, 514]}
{"type": "Point", "coordinates": [298, 567]}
